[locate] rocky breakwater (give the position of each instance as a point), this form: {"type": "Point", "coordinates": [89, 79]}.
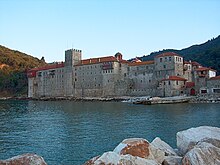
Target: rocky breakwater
{"type": "Point", "coordinates": [196, 146]}
{"type": "Point", "coordinates": [25, 159]}
{"type": "Point", "coordinates": [199, 145]}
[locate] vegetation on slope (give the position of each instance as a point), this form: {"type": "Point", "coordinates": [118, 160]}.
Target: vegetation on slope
{"type": "Point", "coordinates": [13, 68]}
{"type": "Point", "coordinates": [207, 54]}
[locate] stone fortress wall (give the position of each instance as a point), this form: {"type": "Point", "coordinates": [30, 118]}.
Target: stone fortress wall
{"type": "Point", "coordinates": [167, 75]}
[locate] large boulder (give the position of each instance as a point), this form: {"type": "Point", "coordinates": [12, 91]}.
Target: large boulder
{"type": "Point", "coordinates": [141, 148]}
{"type": "Point", "coordinates": [134, 146]}
{"type": "Point", "coordinates": [187, 139]}
{"type": "Point", "coordinates": [108, 158]}
{"type": "Point", "coordinates": [134, 160]}
{"type": "Point", "coordinates": [112, 158]}
{"type": "Point", "coordinates": [25, 159]}
{"type": "Point", "coordinates": [202, 153]}
{"type": "Point", "coordinates": [163, 146]}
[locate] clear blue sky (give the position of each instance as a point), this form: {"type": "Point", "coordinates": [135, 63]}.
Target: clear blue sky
{"type": "Point", "coordinates": [104, 27]}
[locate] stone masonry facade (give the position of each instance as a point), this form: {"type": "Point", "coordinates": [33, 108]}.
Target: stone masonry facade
{"type": "Point", "coordinates": [111, 76]}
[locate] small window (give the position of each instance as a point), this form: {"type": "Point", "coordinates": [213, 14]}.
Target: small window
{"type": "Point", "coordinates": [164, 66]}
{"type": "Point", "coordinates": [177, 83]}
{"type": "Point", "coordinates": [169, 58]}
{"type": "Point", "coordinates": [216, 90]}
{"type": "Point", "coordinates": [161, 59]}
{"type": "Point", "coordinates": [203, 91]}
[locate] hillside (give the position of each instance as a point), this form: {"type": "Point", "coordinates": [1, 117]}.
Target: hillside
{"type": "Point", "coordinates": [207, 54]}
{"type": "Point", "coordinates": [13, 67]}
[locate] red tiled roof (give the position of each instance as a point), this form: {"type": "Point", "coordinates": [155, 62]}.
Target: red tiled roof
{"type": "Point", "coordinates": [136, 60]}
{"type": "Point", "coordinates": [140, 63]}
{"type": "Point", "coordinates": [168, 54]}
{"type": "Point", "coordinates": [174, 78]}
{"type": "Point", "coordinates": [204, 69]}
{"type": "Point", "coordinates": [190, 84]}
{"type": "Point", "coordinates": [215, 78]}
{"type": "Point", "coordinates": [50, 66]}
{"type": "Point", "coordinates": [187, 62]}
{"type": "Point", "coordinates": [195, 63]}
{"type": "Point", "coordinates": [124, 61]}
{"type": "Point", "coordinates": [32, 72]}
{"type": "Point", "coordinates": [98, 60]}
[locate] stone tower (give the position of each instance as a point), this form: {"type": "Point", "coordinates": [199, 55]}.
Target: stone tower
{"type": "Point", "coordinates": [72, 57]}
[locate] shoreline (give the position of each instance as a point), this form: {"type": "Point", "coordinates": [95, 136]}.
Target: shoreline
{"type": "Point", "coordinates": [192, 99]}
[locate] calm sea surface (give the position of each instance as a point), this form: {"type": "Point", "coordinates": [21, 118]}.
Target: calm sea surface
{"type": "Point", "coordinates": [66, 132]}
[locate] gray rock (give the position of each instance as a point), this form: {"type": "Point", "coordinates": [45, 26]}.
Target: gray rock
{"type": "Point", "coordinates": [214, 142]}
{"type": "Point", "coordinates": [187, 139]}
{"type": "Point", "coordinates": [203, 153]}
{"type": "Point", "coordinates": [163, 146]}
{"type": "Point", "coordinates": [25, 159]}
{"type": "Point", "coordinates": [112, 158]}
{"type": "Point", "coordinates": [108, 158]}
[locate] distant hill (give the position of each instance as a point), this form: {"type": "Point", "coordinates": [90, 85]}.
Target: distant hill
{"type": "Point", "coordinates": [207, 54]}
{"type": "Point", "coordinates": [13, 67]}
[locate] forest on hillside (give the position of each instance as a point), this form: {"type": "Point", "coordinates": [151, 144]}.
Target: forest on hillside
{"type": "Point", "coordinates": [13, 68]}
